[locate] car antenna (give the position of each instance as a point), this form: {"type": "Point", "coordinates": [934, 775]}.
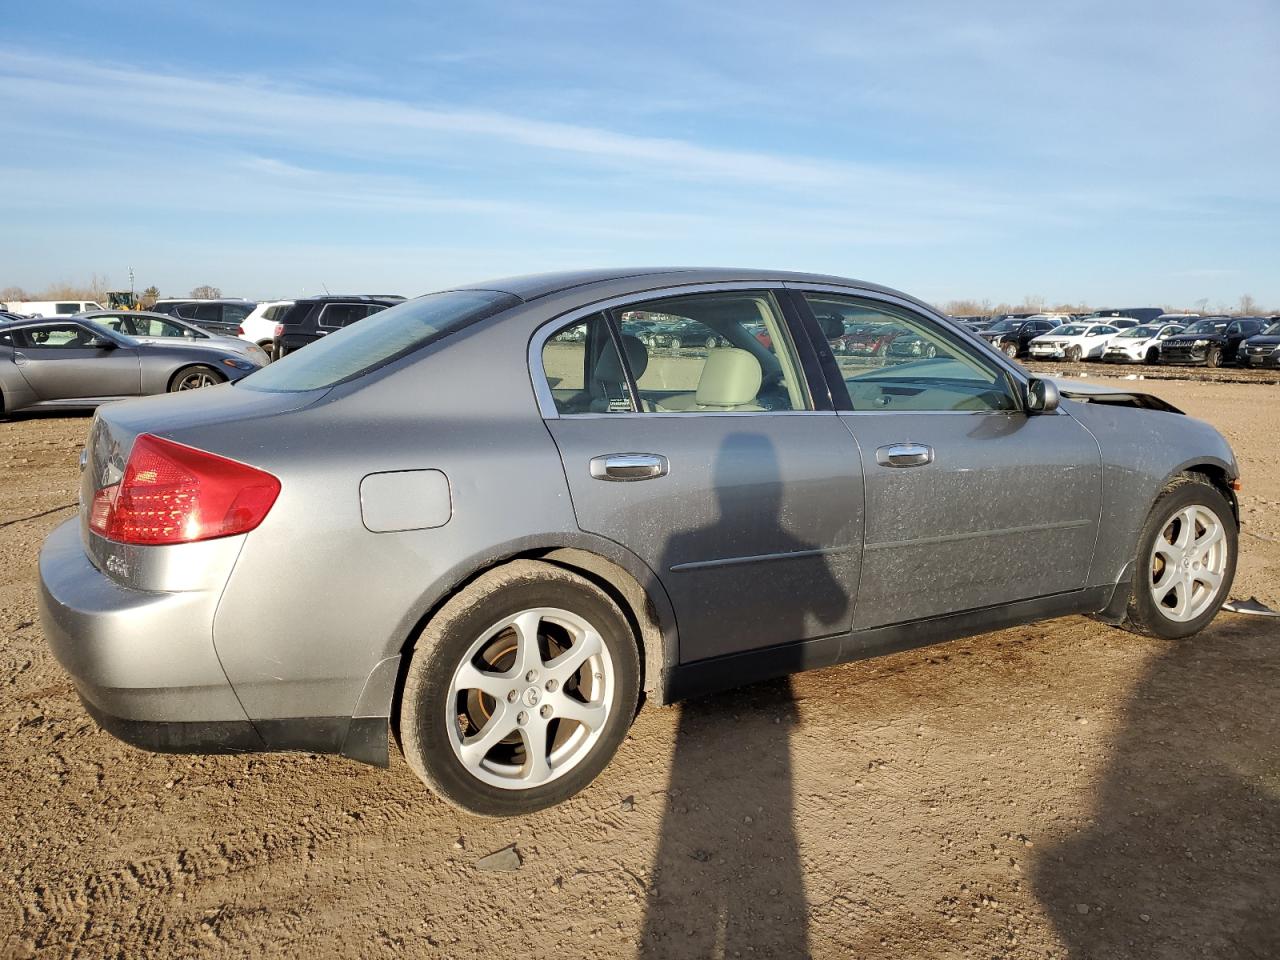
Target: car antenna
{"type": "Point", "coordinates": [326, 289]}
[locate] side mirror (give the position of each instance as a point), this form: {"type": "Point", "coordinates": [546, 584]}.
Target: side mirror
{"type": "Point", "coordinates": [101, 343]}
{"type": "Point", "coordinates": [1042, 396]}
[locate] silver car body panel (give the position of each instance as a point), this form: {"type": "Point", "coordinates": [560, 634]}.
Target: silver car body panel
{"type": "Point", "coordinates": [747, 559]}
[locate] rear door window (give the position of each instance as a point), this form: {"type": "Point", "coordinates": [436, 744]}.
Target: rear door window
{"type": "Point", "coordinates": [336, 315]}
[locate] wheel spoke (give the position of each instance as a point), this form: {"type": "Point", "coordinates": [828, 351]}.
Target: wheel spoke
{"type": "Point", "coordinates": [1168, 575]}
{"type": "Point", "coordinates": [590, 715]}
{"type": "Point", "coordinates": [1181, 598]}
{"type": "Point", "coordinates": [475, 749]}
{"type": "Point", "coordinates": [528, 655]}
{"type": "Point", "coordinates": [568, 663]}
{"type": "Point", "coordinates": [537, 767]}
{"type": "Point", "coordinates": [1213, 535]}
{"type": "Point", "coordinates": [1186, 528]}
{"type": "Point", "coordinates": [1209, 578]}
{"type": "Point", "coordinates": [469, 678]}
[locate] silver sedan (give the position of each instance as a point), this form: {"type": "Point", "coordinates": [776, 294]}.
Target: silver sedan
{"type": "Point", "coordinates": [491, 519]}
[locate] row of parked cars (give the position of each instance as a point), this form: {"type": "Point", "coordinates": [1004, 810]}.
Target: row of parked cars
{"type": "Point", "coordinates": [1166, 338]}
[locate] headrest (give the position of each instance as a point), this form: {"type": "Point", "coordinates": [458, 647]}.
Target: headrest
{"type": "Point", "coordinates": [831, 325]}
{"type": "Point", "coordinates": [731, 377]}
{"type": "Point", "coordinates": [609, 369]}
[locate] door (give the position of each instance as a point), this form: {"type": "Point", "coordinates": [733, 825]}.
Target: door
{"type": "Point", "coordinates": [970, 501]}
{"type": "Point", "coordinates": [66, 361]}
{"type": "Point", "coordinates": [711, 464]}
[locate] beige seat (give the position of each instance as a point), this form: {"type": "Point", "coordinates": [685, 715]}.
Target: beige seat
{"type": "Point", "coordinates": [730, 380]}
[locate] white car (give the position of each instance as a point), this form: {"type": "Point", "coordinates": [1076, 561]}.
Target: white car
{"type": "Point", "coordinates": [260, 326]}
{"type": "Point", "coordinates": [1140, 344]}
{"type": "Point", "coordinates": [1073, 341]}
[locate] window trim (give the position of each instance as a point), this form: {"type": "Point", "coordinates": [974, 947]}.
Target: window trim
{"type": "Point", "coordinates": [818, 390]}
{"type": "Point", "coordinates": [1016, 379]}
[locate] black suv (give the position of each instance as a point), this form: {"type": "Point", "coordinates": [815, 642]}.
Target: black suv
{"type": "Point", "coordinates": [1012, 334]}
{"type": "Point", "coordinates": [216, 316]}
{"type": "Point", "coordinates": [309, 320]}
{"type": "Point", "coordinates": [1210, 342]}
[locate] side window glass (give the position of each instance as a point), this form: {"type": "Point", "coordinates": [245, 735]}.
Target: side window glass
{"type": "Point", "coordinates": [891, 358]}
{"type": "Point", "coordinates": [712, 353]}
{"type": "Point", "coordinates": [342, 314]}
{"type": "Point", "coordinates": [234, 312]}
{"type": "Point", "coordinates": [583, 371]}
{"type": "Point", "coordinates": [203, 312]}
{"type": "Point", "coordinates": [66, 337]}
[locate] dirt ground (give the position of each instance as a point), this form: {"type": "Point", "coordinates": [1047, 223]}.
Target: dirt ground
{"type": "Point", "coordinates": [1060, 790]}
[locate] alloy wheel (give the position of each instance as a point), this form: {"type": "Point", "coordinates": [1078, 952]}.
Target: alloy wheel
{"type": "Point", "coordinates": [1188, 561]}
{"type": "Point", "coordinates": [530, 699]}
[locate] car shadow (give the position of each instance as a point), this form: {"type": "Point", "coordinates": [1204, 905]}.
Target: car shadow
{"type": "Point", "coordinates": [1182, 854]}
{"type": "Point", "coordinates": [728, 879]}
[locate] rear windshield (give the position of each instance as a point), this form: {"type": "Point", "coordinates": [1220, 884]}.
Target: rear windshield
{"type": "Point", "coordinates": [378, 340]}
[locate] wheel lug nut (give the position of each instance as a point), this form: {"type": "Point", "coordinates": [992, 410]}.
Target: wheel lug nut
{"type": "Point", "coordinates": [531, 676]}
{"type": "Point", "coordinates": [551, 686]}
{"type": "Point", "coordinates": [522, 718]}
{"type": "Point", "coordinates": [545, 711]}
{"type": "Point", "coordinates": [512, 695]}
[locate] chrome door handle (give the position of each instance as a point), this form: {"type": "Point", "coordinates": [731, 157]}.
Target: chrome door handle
{"type": "Point", "coordinates": [628, 466]}
{"type": "Point", "coordinates": [19, 358]}
{"type": "Point", "coordinates": [904, 455]}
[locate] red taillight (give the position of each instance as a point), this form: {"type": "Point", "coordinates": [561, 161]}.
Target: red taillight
{"type": "Point", "coordinates": [239, 331]}
{"type": "Point", "coordinates": [176, 494]}
{"type": "Point", "coordinates": [279, 331]}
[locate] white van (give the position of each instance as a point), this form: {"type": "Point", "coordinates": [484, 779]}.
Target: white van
{"type": "Point", "coordinates": [51, 308]}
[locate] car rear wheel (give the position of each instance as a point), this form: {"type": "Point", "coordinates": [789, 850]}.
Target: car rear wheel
{"type": "Point", "coordinates": [193, 378]}
{"type": "Point", "coordinates": [519, 691]}
{"type": "Point", "coordinates": [1186, 560]}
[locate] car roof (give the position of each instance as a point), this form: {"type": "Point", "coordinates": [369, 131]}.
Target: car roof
{"type": "Point", "coordinates": [533, 286]}
{"type": "Point", "coordinates": [350, 298]}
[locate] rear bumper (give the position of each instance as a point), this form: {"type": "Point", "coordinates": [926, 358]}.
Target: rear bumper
{"type": "Point", "coordinates": [134, 655]}
{"type": "Point", "coordinates": [144, 664]}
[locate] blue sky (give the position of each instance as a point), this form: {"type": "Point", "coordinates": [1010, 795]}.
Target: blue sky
{"type": "Point", "coordinates": [1101, 152]}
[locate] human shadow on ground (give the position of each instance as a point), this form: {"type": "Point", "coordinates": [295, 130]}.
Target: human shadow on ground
{"type": "Point", "coordinates": [1182, 857]}
{"type": "Point", "coordinates": [728, 879]}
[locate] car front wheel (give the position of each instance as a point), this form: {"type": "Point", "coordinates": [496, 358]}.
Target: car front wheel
{"type": "Point", "coordinates": [1010, 349]}
{"type": "Point", "coordinates": [193, 378]}
{"type": "Point", "coordinates": [1074, 354]}
{"type": "Point", "coordinates": [1186, 560]}
{"type": "Point", "coordinates": [519, 691]}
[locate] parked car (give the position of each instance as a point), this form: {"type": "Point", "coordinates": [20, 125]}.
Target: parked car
{"type": "Point", "coordinates": [1140, 314]}
{"type": "Point", "coordinates": [50, 308]}
{"type": "Point", "coordinates": [308, 320]}
{"type": "Point", "coordinates": [77, 363]}
{"type": "Point", "coordinates": [260, 325]}
{"type": "Point", "coordinates": [225, 317]}
{"type": "Point", "coordinates": [148, 327]}
{"type": "Point", "coordinates": [1012, 336]}
{"type": "Point", "coordinates": [1262, 349]}
{"type": "Point", "coordinates": [1140, 344]}
{"type": "Point", "coordinates": [495, 544]}
{"type": "Point", "coordinates": [1073, 342]}
{"type": "Point", "coordinates": [1210, 342]}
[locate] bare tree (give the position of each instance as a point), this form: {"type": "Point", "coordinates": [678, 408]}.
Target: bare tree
{"type": "Point", "coordinates": [206, 292]}
{"type": "Point", "coordinates": [1034, 303]}
{"type": "Point", "coordinates": [1248, 305]}
{"type": "Point", "coordinates": [1202, 306]}
{"type": "Point", "coordinates": [13, 295]}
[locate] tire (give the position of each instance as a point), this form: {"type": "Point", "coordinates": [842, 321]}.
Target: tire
{"type": "Point", "coordinates": [194, 378]}
{"type": "Point", "coordinates": [930, 351]}
{"type": "Point", "coordinates": [712, 343]}
{"type": "Point", "coordinates": [1010, 349]}
{"type": "Point", "coordinates": [675, 343]}
{"type": "Point", "coordinates": [432, 733]}
{"type": "Point", "coordinates": [1144, 615]}
{"type": "Point", "coordinates": [1213, 357]}
{"type": "Point", "coordinates": [1073, 354]}
{"type": "Point", "coordinates": [268, 348]}
{"type": "Point", "coordinates": [1153, 356]}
